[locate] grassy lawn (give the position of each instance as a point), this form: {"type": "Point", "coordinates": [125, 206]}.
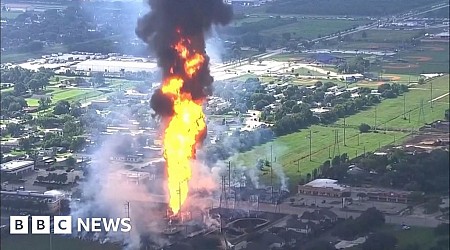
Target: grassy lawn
{"type": "Point", "coordinates": [390, 111]}
{"type": "Point", "coordinates": [68, 95]}
{"type": "Point", "coordinates": [290, 148]}
{"type": "Point", "coordinates": [10, 14]}
{"type": "Point", "coordinates": [310, 29]}
{"type": "Point", "coordinates": [428, 58]}
{"type": "Point", "coordinates": [42, 242]}
{"type": "Point", "coordinates": [307, 72]}
{"type": "Point", "coordinates": [243, 21]}
{"type": "Point", "coordinates": [387, 36]}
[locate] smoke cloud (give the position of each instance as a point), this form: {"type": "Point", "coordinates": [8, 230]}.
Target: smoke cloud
{"type": "Point", "coordinates": [105, 193]}
{"type": "Point", "coordinates": [162, 27]}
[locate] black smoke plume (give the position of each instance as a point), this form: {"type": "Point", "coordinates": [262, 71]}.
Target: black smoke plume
{"type": "Point", "coordinates": [162, 28]}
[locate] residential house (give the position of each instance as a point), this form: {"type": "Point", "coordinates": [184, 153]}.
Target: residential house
{"type": "Point", "coordinates": [297, 225]}
{"type": "Point", "coordinates": [319, 216]}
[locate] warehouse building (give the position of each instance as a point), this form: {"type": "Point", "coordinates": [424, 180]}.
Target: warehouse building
{"type": "Point", "coordinates": [17, 167]}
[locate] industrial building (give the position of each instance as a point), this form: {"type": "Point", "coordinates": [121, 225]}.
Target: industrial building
{"type": "Point", "coordinates": [48, 202]}
{"type": "Point", "coordinates": [323, 187]}
{"type": "Point", "coordinates": [17, 167]}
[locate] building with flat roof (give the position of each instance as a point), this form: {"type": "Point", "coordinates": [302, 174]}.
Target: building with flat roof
{"type": "Point", "coordinates": [17, 167]}
{"type": "Point", "coordinates": [323, 187]}
{"type": "Point", "coordinates": [48, 202]}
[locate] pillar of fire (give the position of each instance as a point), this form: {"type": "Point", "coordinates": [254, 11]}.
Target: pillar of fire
{"type": "Point", "coordinates": [175, 31]}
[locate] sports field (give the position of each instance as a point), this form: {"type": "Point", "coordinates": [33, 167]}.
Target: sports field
{"type": "Point", "coordinates": [67, 95]}
{"type": "Point", "coordinates": [393, 129]}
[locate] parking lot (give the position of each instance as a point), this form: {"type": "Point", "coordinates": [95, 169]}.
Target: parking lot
{"type": "Point", "coordinates": [354, 205]}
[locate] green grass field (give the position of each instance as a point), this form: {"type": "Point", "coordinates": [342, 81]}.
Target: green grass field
{"type": "Point", "coordinates": [290, 148]}
{"type": "Point", "coordinates": [42, 242]}
{"type": "Point", "coordinates": [390, 111]}
{"type": "Point", "coordinates": [68, 95]}
{"type": "Point", "coordinates": [388, 35]}
{"type": "Point", "coordinates": [427, 58]}
{"type": "Point", "coordinates": [310, 29]}
{"type": "Point", "coordinates": [243, 21]}
{"type": "Point", "coordinates": [10, 14]}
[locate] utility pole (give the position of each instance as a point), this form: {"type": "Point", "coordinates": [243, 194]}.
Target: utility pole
{"type": "Point", "coordinates": [271, 171]}
{"type": "Point", "coordinates": [404, 106]}
{"type": "Point", "coordinates": [358, 139]}
{"type": "Point", "coordinates": [229, 177]}
{"type": "Point", "coordinates": [431, 95]}
{"type": "Point", "coordinates": [375, 124]}
{"type": "Point", "coordinates": [298, 165]}
{"type": "Point", "coordinates": [344, 132]}
{"type": "Point", "coordinates": [310, 145]}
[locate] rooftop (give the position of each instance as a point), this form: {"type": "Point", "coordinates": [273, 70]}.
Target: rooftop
{"type": "Point", "coordinates": [16, 164]}
{"type": "Point", "coordinates": [325, 183]}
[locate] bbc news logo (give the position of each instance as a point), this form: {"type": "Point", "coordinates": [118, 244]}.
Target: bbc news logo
{"type": "Point", "coordinates": [63, 225]}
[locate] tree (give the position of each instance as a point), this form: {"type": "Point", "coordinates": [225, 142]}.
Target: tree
{"type": "Point", "coordinates": [364, 128]}
{"type": "Point", "coordinates": [286, 36]}
{"type": "Point", "coordinates": [261, 104]}
{"type": "Point", "coordinates": [442, 229]}
{"type": "Point", "coordinates": [19, 88]}
{"type": "Point", "coordinates": [364, 34]}
{"type": "Point", "coordinates": [380, 241]}
{"type": "Point", "coordinates": [75, 109]}
{"type": "Point", "coordinates": [71, 161]}
{"type": "Point", "coordinates": [44, 102]}
{"type": "Point", "coordinates": [61, 107]}
{"type": "Point", "coordinates": [370, 219]}
{"type": "Point", "coordinates": [25, 143]}
{"type": "Point", "coordinates": [14, 129]}
{"type": "Point", "coordinates": [98, 79]}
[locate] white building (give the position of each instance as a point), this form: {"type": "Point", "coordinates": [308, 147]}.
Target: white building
{"type": "Point", "coordinates": [17, 167]}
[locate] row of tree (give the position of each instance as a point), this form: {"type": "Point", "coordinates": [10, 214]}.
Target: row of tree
{"type": "Point", "coordinates": [53, 178]}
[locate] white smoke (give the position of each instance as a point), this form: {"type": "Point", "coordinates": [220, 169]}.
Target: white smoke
{"type": "Point", "coordinates": [214, 46]}
{"type": "Point", "coordinates": [106, 194]}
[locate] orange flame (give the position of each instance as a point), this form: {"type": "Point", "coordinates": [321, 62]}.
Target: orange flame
{"type": "Point", "coordinates": [184, 127]}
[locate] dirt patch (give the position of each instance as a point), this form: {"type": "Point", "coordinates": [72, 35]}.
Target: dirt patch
{"type": "Point", "coordinates": [394, 78]}
{"type": "Point", "coordinates": [420, 58]}
{"type": "Point", "coordinates": [400, 66]}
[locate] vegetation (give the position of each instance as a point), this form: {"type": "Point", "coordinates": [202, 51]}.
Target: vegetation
{"type": "Point", "coordinates": [368, 221]}
{"type": "Point", "coordinates": [392, 124]}
{"type": "Point", "coordinates": [351, 7]}
{"type": "Point", "coordinates": [426, 172]}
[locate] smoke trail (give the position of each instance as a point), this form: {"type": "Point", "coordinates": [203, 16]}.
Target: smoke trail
{"type": "Point", "coordinates": [159, 28]}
